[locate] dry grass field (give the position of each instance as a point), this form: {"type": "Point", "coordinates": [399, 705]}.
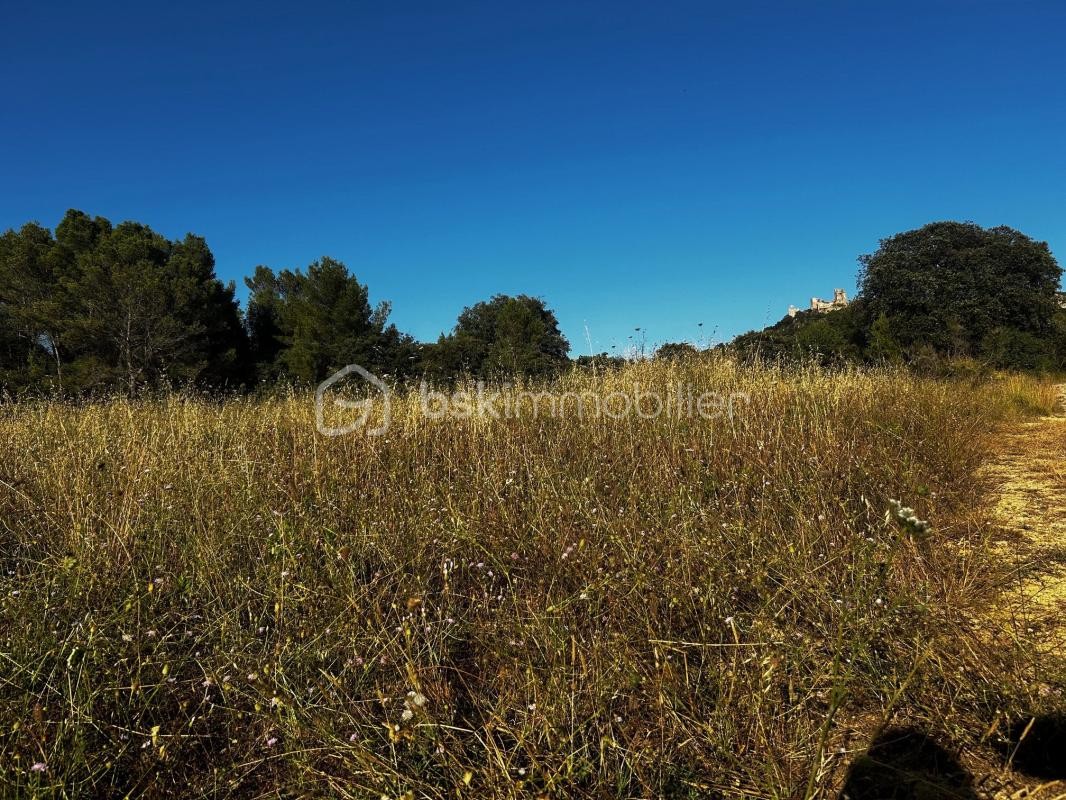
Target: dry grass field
{"type": "Point", "coordinates": [206, 598]}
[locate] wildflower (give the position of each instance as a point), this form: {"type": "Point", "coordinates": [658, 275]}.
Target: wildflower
{"type": "Point", "coordinates": [406, 715]}
{"type": "Point", "coordinates": [353, 738]}
{"type": "Point", "coordinates": [417, 699]}
{"type": "Point", "coordinates": [906, 516]}
{"type": "Point", "coordinates": [273, 740]}
{"type": "Point", "coordinates": [39, 766]}
{"type": "Point", "coordinates": [127, 638]}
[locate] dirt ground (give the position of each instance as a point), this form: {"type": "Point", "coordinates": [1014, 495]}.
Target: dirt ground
{"type": "Point", "coordinates": [1029, 470]}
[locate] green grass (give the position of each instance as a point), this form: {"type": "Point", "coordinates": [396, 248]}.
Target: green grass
{"type": "Point", "coordinates": [211, 599]}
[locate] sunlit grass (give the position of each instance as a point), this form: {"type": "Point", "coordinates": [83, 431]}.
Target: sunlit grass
{"type": "Point", "coordinates": [206, 598]}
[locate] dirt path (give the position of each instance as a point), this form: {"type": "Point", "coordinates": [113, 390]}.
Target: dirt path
{"type": "Point", "coordinates": [1030, 470]}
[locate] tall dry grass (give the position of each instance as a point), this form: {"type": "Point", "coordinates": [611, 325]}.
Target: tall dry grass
{"type": "Point", "coordinates": [211, 599]}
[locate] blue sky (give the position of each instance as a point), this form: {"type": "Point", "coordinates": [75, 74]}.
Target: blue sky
{"type": "Point", "coordinates": [636, 164]}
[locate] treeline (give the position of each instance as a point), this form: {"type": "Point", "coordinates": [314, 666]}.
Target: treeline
{"type": "Point", "coordinates": [945, 296]}
{"type": "Point", "coordinates": [99, 308]}
{"type": "Point", "coordinates": [96, 308]}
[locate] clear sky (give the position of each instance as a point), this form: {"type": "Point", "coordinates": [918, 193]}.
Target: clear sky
{"type": "Point", "coordinates": [653, 164]}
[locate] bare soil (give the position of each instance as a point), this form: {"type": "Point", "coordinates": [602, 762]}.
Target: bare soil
{"type": "Point", "coordinates": [1029, 473]}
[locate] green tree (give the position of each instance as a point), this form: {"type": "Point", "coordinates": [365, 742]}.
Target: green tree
{"type": "Point", "coordinates": [266, 335]}
{"type": "Point", "coordinates": [1058, 338]}
{"type": "Point", "coordinates": [504, 336]}
{"type": "Point", "coordinates": [152, 311]}
{"type": "Point", "coordinates": [217, 350]}
{"type": "Point", "coordinates": [1007, 348]}
{"type": "Point", "coordinates": [31, 308]}
{"type": "Point", "coordinates": [304, 326]}
{"type": "Point", "coordinates": [98, 307]}
{"type": "Point", "coordinates": [829, 337]}
{"type": "Point", "coordinates": [676, 351]}
{"type": "Point", "coordinates": [882, 346]}
{"type": "Point", "coordinates": [945, 293]}
{"type": "Point", "coordinates": [14, 353]}
{"type": "Point", "coordinates": [951, 284]}
{"type": "Point", "coordinates": [601, 362]}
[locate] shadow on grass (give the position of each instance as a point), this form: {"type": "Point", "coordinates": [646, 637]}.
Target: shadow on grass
{"type": "Point", "coordinates": [906, 764]}
{"type": "Point", "coordinates": [1037, 747]}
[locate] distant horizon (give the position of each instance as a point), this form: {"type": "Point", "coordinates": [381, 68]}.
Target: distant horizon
{"type": "Point", "coordinates": [632, 346]}
{"type": "Point", "coordinates": [635, 166]}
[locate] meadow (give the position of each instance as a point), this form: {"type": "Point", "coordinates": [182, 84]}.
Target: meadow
{"type": "Point", "coordinates": [210, 598]}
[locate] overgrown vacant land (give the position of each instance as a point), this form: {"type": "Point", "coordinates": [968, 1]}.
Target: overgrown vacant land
{"type": "Point", "coordinates": [213, 599]}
